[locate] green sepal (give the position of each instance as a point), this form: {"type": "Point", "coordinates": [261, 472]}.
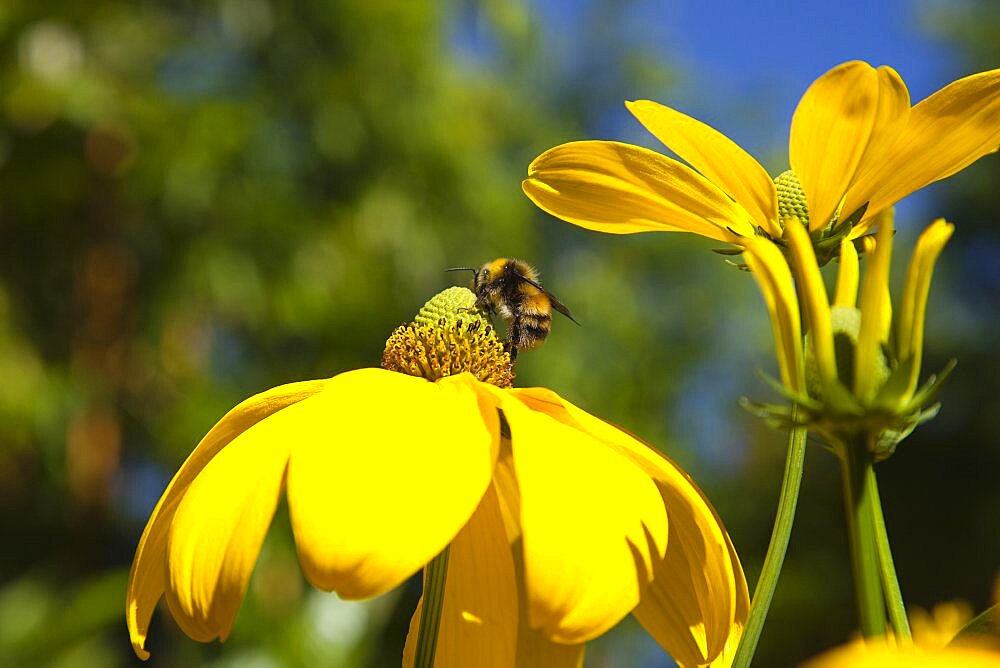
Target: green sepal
{"type": "Point", "coordinates": [929, 390]}
{"type": "Point", "coordinates": [779, 387]}
{"type": "Point", "coordinates": [728, 251]}
{"type": "Point", "coordinates": [986, 623]}
{"type": "Point", "coordinates": [855, 217]}
{"type": "Point", "coordinates": [739, 265]}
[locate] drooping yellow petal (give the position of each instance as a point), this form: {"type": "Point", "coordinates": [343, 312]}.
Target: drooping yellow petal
{"type": "Point", "coordinates": [147, 579]}
{"type": "Point", "coordinates": [717, 157]}
{"type": "Point", "coordinates": [774, 278]}
{"type": "Point", "coordinates": [831, 130]}
{"type": "Point", "coordinates": [876, 314]}
{"type": "Point", "coordinates": [812, 294]}
{"type": "Point", "coordinates": [622, 189]}
{"type": "Point", "coordinates": [698, 600]}
{"type": "Point", "coordinates": [220, 523]}
{"type": "Point", "coordinates": [593, 525]}
{"type": "Point", "coordinates": [385, 471]}
{"type": "Point", "coordinates": [913, 310]}
{"type": "Point", "coordinates": [944, 134]}
{"type": "Point", "coordinates": [479, 621]}
{"type": "Point", "coordinates": [532, 647]}
{"type": "Point", "coordinates": [846, 292]}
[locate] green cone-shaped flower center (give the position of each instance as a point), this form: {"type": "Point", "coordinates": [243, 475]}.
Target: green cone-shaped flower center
{"type": "Point", "coordinates": [449, 336]}
{"type": "Point", "coordinates": [791, 198]}
{"type": "Point", "coordinates": [846, 324]}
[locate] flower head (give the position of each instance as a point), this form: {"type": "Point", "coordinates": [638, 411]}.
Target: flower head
{"type": "Point", "coordinates": [858, 370]}
{"type": "Point", "coordinates": [559, 524]}
{"type": "Point", "coordinates": [856, 148]}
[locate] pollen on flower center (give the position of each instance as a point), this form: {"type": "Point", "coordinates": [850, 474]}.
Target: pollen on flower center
{"type": "Point", "coordinates": [449, 336]}
{"type": "Point", "coordinates": [791, 198]}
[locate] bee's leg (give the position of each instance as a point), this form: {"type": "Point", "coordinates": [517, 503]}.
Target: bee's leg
{"type": "Point", "coordinates": [513, 338]}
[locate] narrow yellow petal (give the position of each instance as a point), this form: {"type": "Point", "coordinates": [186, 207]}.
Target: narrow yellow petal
{"type": "Point", "coordinates": [774, 278]}
{"type": "Point", "coordinates": [588, 556]}
{"type": "Point", "coordinates": [717, 157]}
{"type": "Point", "coordinates": [875, 314]}
{"type": "Point", "coordinates": [812, 294]}
{"type": "Point", "coordinates": [479, 621]}
{"type": "Point", "coordinates": [944, 134]}
{"type": "Point", "coordinates": [913, 310]}
{"type": "Point", "coordinates": [622, 189]}
{"type": "Point", "coordinates": [385, 470]}
{"type": "Point", "coordinates": [220, 523]}
{"type": "Point", "coordinates": [831, 130]}
{"type": "Point", "coordinates": [846, 293]}
{"type": "Point", "coordinates": [698, 600]}
{"type": "Point", "coordinates": [147, 579]}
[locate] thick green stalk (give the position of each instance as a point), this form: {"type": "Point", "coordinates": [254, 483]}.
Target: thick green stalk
{"type": "Point", "coordinates": [764, 592]}
{"type": "Point", "coordinates": [432, 604]}
{"type": "Point", "coordinates": [890, 583]}
{"type": "Point", "coordinates": [857, 466]}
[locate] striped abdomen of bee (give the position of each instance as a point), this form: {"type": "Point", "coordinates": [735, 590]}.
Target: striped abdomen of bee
{"type": "Point", "coordinates": [531, 323]}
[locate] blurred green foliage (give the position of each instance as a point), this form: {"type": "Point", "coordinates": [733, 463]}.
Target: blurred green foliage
{"type": "Point", "coordinates": [202, 200]}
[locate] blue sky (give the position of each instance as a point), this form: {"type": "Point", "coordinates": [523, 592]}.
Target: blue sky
{"type": "Point", "coordinates": [763, 53]}
{"type": "Point", "coordinates": [742, 66]}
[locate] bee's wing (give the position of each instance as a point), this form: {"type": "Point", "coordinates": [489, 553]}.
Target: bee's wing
{"type": "Point", "coordinates": [556, 304]}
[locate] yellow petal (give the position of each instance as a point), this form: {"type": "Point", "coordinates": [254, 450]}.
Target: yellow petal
{"type": "Point", "coordinates": [913, 310]}
{"type": "Point", "coordinates": [535, 649]}
{"type": "Point", "coordinates": [846, 293]}
{"type": "Point", "coordinates": [385, 471]}
{"type": "Point", "coordinates": [773, 276]}
{"type": "Point", "coordinates": [812, 294]}
{"type": "Point", "coordinates": [831, 130]}
{"type": "Point", "coordinates": [479, 621]}
{"type": "Point", "coordinates": [717, 157]}
{"type": "Point", "coordinates": [622, 189]}
{"type": "Point", "coordinates": [944, 134]}
{"type": "Point", "coordinates": [876, 314]}
{"type": "Point", "coordinates": [220, 523]}
{"type": "Point", "coordinates": [698, 600]}
{"type": "Point", "coordinates": [147, 580]}
{"type": "Point", "coordinates": [593, 525]}
{"type": "Point", "coordinates": [891, 116]}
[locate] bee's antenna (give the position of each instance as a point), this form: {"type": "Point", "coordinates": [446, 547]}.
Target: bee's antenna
{"type": "Point", "coordinates": [472, 269]}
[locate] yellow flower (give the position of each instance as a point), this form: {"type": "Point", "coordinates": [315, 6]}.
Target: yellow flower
{"type": "Point", "coordinates": [858, 371]}
{"type": "Point", "coordinates": [860, 654]}
{"type": "Point", "coordinates": [559, 524]}
{"type": "Point", "coordinates": [856, 148]}
{"type": "Point", "coordinates": [934, 645]}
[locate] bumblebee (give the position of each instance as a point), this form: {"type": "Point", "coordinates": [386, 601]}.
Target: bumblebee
{"type": "Point", "coordinates": [511, 289]}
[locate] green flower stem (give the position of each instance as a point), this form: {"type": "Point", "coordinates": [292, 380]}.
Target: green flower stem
{"type": "Point", "coordinates": [764, 592]}
{"type": "Point", "coordinates": [435, 576]}
{"type": "Point", "coordinates": [890, 583]}
{"type": "Point", "coordinates": [857, 467]}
